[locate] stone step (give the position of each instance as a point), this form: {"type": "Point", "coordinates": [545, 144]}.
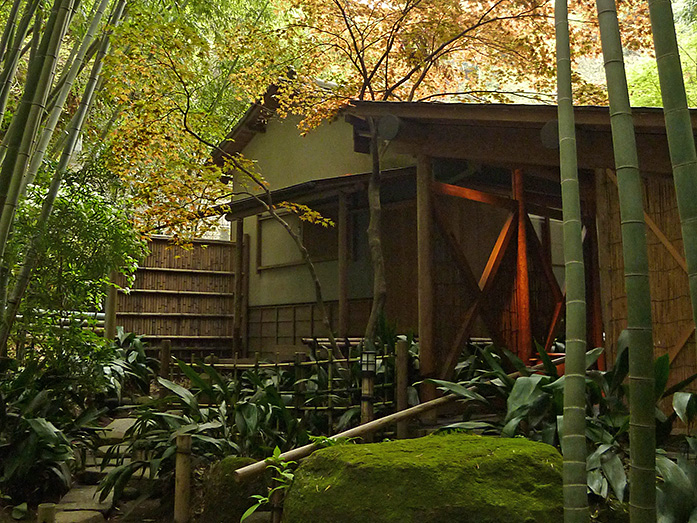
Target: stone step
{"type": "Point", "coordinates": [94, 474]}
{"type": "Point", "coordinates": [80, 516]}
{"type": "Point", "coordinates": [84, 498]}
{"type": "Point", "coordinates": [115, 432]}
{"type": "Point", "coordinates": [121, 450]}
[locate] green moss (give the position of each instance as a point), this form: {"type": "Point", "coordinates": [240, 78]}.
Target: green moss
{"type": "Point", "coordinates": [225, 500]}
{"type": "Point", "coordinates": [437, 479]}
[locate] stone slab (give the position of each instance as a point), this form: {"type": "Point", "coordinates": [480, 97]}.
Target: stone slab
{"type": "Point", "coordinates": [116, 430]}
{"type": "Point", "coordinates": [84, 497]}
{"type": "Point", "coordinates": [80, 516]}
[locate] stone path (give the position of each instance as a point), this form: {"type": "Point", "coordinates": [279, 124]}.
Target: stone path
{"type": "Point", "coordinates": [81, 504]}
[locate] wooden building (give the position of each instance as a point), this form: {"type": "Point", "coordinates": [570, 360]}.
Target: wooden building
{"type": "Point", "coordinates": [471, 228]}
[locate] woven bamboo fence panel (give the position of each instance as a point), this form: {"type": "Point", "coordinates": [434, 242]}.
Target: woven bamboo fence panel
{"type": "Point", "coordinates": [672, 313]}
{"type": "Point", "coordinates": [185, 295]}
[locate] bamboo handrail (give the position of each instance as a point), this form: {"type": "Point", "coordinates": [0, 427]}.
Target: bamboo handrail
{"type": "Point", "coordinates": [367, 428]}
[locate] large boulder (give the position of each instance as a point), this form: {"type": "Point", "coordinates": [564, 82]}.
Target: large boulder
{"type": "Point", "coordinates": [437, 479]}
{"type": "Point", "coordinates": [225, 500]}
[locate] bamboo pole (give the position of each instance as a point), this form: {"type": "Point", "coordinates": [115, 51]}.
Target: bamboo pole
{"type": "Point", "coordinates": [182, 482]}
{"type": "Point", "coordinates": [681, 143]}
{"type": "Point", "coordinates": [573, 438]}
{"type": "Point", "coordinates": [254, 469]}
{"type": "Point", "coordinates": [402, 372]}
{"type": "Point", "coordinates": [642, 435]}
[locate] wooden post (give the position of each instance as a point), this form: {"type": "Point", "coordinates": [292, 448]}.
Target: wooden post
{"type": "Point", "coordinates": [424, 234]}
{"type": "Point", "coordinates": [522, 277]}
{"type": "Point", "coordinates": [46, 513]}
{"type": "Point", "coordinates": [343, 254]}
{"type": "Point", "coordinates": [110, 309]}
{"type": "Point", "coordinates": [245, 295]}
{"type": "Point", "coordinates": [402, 382]}
{"type": "Point", "coordinates": [182, 480]}
{"type": "Point", "coordinates": [367, 392]}
{"type": "Point", "coordinates": [239, 276]}
{"type": "Point", "coordinates": [165, 358]}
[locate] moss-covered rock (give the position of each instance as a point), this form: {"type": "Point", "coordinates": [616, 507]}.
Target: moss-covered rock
{"type": "Point", "coordinates": [225, 500]}
{"type": "Point", "coordinates": [437, 479]}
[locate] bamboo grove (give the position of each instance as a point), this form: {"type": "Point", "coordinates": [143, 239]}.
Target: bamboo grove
{"type": "Point", "coordinates": [684, 161]}
{"type": "Point", "coordinates": [41, 104]}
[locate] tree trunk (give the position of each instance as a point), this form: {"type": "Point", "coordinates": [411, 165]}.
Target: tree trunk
{"type": "Point", "coordinates": [573, 438]}
{"type": "Point", "coordinates": [636, 275]}
{"type": "Point", "coordinates": [374, 239]}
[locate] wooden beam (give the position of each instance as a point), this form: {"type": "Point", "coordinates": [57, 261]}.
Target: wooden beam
{"type": "Point", "coordinates": [474, 195]}
{"type": "Point", "coordinates": [653, 227]}
{"type": "Point", "coordinates": [343, 255]}
{"type": "Point", "coordinates": [681, 343]}
{"type": "Point", "coordinates": [457, 253]}
{"type": "Point", "coordinates": [556, 316]}
{"type": "Point", "coordinates": [498, 252]}
{"type": "Point", "coordinates": [424, 218]}
{"type": "Point", "coordinates": [522, 276]}
{"type": "Point", "coordinates": [474, 290]}
{"type": "Point", "coordinates": [545, 262]}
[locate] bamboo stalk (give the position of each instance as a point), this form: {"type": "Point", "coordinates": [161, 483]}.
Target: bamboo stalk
{"type": "Point", "coordinates": [681, 143]}
{"type": "Point", "coordinates": [642, 435]}
{"type": "Point", "coordinates": [573, 437]}
{"type": "Point", "coordinates": [54, 116]}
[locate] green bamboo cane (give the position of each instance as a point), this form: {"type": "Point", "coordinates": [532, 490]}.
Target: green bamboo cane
{"type": "Point", "coordinates": [10, 25]}
{"type": "Point", "coordinates": [636, 274]}
{"type": "Point", "coordinates": [11, 59]}
{"type": "Point", "coordinates": [681, 143]}
{"type": "Point", "coordinates": [32, 105]}
{"type": "Point", "coordinates": [74, 132]}
{"type": "Point", "coordinates": [574, 427]}
{"type": "Point", "coordinates": [56, 111]}
{"type": "Point", "coordinates": [21, 120]}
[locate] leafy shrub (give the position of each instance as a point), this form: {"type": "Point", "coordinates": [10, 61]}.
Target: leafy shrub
{"type": "Point", "coordinates": [246, 417]}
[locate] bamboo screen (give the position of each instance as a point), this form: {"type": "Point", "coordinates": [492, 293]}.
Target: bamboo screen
{"type": "Point", "coordinates": [185, 295]}
{"type": "Point", "coordinates": [672, 312]}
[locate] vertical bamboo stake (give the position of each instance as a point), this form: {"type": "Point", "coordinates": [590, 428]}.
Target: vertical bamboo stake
{"type": "Point", "coordinates": [297, 386]}
{"type": "Point", "coordinates": [574, 434]}
{"type": "Point", "coordinates": [330, 392]}
{"type": "Point", "coordinates": [642, 436]}
{"type": "Point", "coordinates": [46, 513]}
{"type": "Point", "coordinates": [182, 482]}
{"type": "Point", "coordinates": [402, 382]}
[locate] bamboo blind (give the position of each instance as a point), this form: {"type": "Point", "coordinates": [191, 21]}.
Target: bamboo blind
{"type": "Point", "coordinates": [671, 309]}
